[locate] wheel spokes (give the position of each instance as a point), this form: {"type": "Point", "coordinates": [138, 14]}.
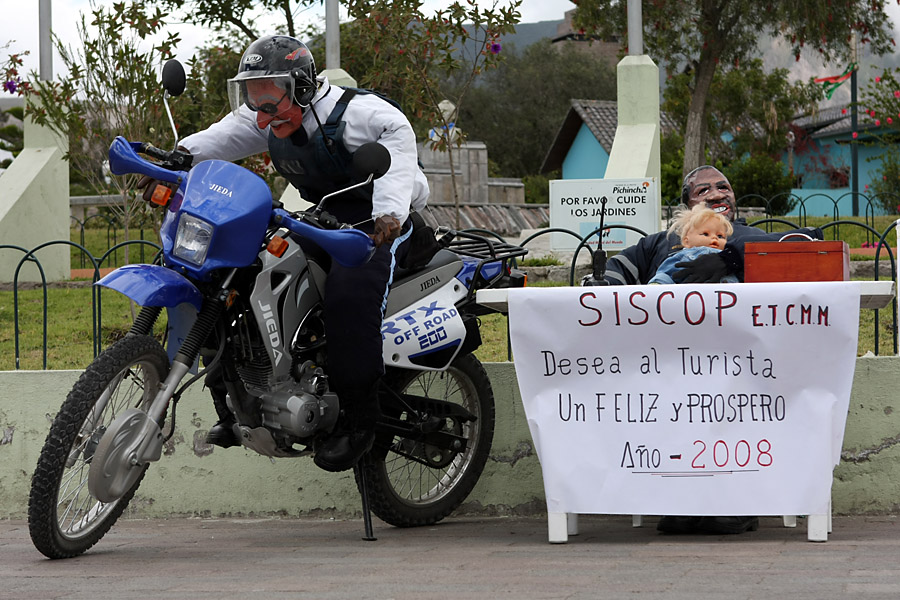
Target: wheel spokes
{"type": "Point", "coordinates": [413, 480]}
{"type": "Point", "coordinates": [77, 510]}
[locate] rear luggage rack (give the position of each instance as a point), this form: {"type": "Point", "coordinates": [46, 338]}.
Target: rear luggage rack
{"type": "Point", "coordinates": [486, 251]}
{"type": "Point", "coordinates": [479, 246]}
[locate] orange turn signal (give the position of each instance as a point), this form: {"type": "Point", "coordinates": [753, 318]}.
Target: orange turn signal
{"type": "Point", "coordinates": [277, 246]}
{"type": "Point", "coordinates": [161, 195]}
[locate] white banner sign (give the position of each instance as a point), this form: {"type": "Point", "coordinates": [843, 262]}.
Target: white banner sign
{"type": "Point", "coordinates": [715, 399]}
{"type": "Point", "coordinates": [575, 204]}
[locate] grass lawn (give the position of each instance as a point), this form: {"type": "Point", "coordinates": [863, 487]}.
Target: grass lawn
{"type": "Point", "coordinates": [70, 346]}
{"type": "Point", "coordinates": [69, 327]}
{"type": "Point", "coordinates": [854, 235]}
{"type": "Point", "coordinates": [69, 310]}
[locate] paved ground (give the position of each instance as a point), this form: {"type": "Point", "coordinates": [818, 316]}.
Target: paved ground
{"type": "Point", "coordinates": [460, 558]}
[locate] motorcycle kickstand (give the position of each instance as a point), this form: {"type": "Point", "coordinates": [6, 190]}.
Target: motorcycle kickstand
{"type": "Point", "coordinates": [364, 493]}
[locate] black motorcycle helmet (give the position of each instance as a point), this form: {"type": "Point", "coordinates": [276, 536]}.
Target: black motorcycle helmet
{"type": "Point", "coordinates": [283, 59]}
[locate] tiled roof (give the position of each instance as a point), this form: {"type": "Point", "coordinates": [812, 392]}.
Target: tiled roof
{"type": "Point", "coordinates": [833, 120]}
{"type": "Point", "coordinates": [503, 219]}
{"type": "Point", "coordinates": [601, 118]}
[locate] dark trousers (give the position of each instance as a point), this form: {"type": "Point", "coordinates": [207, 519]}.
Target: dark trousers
{"type": "Point", "coordinates": [354, 310]}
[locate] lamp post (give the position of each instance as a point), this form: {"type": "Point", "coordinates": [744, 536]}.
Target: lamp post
{"type": "Point", "coordinates": [635, 28]}
{"type": "Point", "coordinates": [45, 44]}
{"type": "Point", "coordinates": [332, 35]}
{"type": "Point", "coordinates": [854, 155]}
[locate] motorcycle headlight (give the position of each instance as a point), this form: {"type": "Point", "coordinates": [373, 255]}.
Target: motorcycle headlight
{"type": "Point", "coordinates": [192, 239]}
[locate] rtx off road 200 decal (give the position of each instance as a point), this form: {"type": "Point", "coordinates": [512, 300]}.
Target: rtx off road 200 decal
{"type": "Point", "coordinates": [427, 334]}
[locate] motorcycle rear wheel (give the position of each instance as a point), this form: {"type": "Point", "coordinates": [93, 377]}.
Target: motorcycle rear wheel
{"type": "Point", "coordinates": [405, 492]}
{"type": "Point", "coordinates": [63, 518]}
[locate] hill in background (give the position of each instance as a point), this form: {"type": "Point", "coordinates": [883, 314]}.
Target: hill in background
{"type": "Point", "coordinates": [529, 33]}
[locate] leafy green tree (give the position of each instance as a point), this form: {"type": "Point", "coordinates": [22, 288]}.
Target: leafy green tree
{"type": "Point", "coordinates": [884, 191]}
{"type": "Point", "coordinates": [761, 180]}
{"type": "Point", "coordinates": [12, 138]}
{"type": "Point", "coordinates": [517, 108]}
{"type": "Point", "coordinates": [705, 34]}
{"type": "Point", "coordinates": [205, 98]}
{"type": "Point", "coordinates": [537, 188]}
{"type": "Point", "coordinates": [748, 110]}
{"type": "Point", "coordinates": [880, 99]}
{"type": "Point", "coordinates": [671, 154]}
{"type": "Point", "coordinates": [240, 15]}
{"type": "Point", "coordinates": [111, 88]}
{"type": "Point", "coordinates": [413, 57]}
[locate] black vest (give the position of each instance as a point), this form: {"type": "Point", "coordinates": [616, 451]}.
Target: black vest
{"type": "Point", "coordinates": [321, 165]}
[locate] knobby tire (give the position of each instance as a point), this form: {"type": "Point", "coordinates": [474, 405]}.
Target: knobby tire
{"type": "Point", "coordinates": [64, 520]}
{"type": "Point", "coordinates": [406, 493]}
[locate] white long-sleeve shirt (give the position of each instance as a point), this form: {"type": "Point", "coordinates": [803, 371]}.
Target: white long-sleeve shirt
{"type": "Point", "coordinates": [367, 118]}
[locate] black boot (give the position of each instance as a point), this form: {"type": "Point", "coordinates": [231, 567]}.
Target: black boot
{"type": "Point", "coordinates": [345, 447]}
{"type": "Point", "coordinates": [679, 525]}
{"type": "Point", "coordinates": [728, 525]}
{"type": "Point", "coordinates": [222, 434]}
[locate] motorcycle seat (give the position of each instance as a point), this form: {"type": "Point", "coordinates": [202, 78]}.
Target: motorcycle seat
{"type": "Point", "coordinates": [441, 258]}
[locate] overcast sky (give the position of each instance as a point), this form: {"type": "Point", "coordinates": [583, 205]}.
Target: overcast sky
{"type": "Point", "coordinates": [21, 24]}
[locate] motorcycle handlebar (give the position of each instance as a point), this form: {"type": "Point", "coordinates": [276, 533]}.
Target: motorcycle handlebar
{"type": "Point", "coordinates": [176, 160]}
{"type": "Point", "coordinates": [153, 151]}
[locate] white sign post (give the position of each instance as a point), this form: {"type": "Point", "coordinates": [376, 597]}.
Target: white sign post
{"type": "Point", "coordinates": [575, 204]}
{"type": "Point", "coordinates": [715, 399]}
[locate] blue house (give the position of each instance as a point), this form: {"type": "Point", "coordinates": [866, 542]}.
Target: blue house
{"type": "Point", "coordinates": [820, 158]}
{"type": "Point", "coordinates": [819, 155]}
{"type": "Point", "coordinates": [582, 146]}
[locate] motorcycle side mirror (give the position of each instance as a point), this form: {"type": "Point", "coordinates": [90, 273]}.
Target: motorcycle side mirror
{"type": "Point", "coordinates": [371, 159]}
{"type": "Point", "coordinates": [173, 77]}
{"type": "Point", "coordinates": [173, 81]}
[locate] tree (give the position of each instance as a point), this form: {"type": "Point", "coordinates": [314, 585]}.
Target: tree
{"type": "Point", "coordinates": [240, 15]}
{"type": "Point", "coordinates": [748, 110]}
{"type": "Point", "coordinates": [705, 34]}
{"type": "Point", "coordinates": [517, 111]}
{"type": "Point", "coordinates": [12, 138]}
{"type": "Point", "coordinates": [761, 180]}
{"type": "Point", "coordinates": [397, 49]}
{"type": "Point", "coordinates": [205, 98]}
{"type": "Point", "coordinates": [880, 99]}
{"type": "Point", "coordinates": [111, 88]}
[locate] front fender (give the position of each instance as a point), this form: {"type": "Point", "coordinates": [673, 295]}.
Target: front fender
{"type": "Point", "coordinates": [153, 285]}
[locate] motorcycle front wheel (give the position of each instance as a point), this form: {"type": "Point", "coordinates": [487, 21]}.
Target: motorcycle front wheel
{"type": "Point", "coordinates": [64, 519]}
{"type": "Point", "coordinates": [411, 484]}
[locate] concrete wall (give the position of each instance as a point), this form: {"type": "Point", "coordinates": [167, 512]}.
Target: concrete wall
{"type": "Point", "coordinates": [34, 206]}
{"type": "Point", "coordinates": [194, 478]}
{"type": "Point", "coordinates": [470, 163]}
{"type": "Point", "coordinates": [505, 190]}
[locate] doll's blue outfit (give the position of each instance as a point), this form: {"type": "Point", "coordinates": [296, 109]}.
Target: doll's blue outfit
{"type": "Point", "coordinates": [667, 268]}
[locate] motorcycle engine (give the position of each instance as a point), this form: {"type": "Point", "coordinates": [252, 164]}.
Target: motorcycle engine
{"type": "Point", "coordinates": [300, 408]}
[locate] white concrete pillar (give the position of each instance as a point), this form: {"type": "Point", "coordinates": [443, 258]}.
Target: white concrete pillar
{"type": "Point", "coordinates": [635, 150]}
{"type": "Point", "coordinates": [34, 206]}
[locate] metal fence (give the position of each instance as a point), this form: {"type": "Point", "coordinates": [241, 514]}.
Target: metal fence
{"type": "Point", "coordinates": [783, 206]}
{"type": "Point", "coordinates": [29, 257]}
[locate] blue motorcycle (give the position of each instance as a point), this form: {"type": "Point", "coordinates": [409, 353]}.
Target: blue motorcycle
{"type": "Point", "coordinates": [241, 291]}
